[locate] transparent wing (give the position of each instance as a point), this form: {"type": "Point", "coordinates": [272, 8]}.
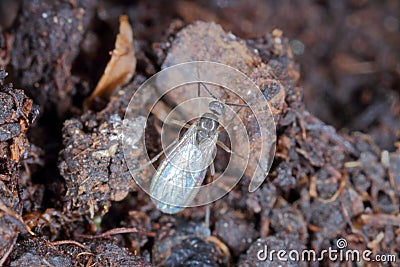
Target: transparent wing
{"type": "Point", "coordinates": [177, 179]}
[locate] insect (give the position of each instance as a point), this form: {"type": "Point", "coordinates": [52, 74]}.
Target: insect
{"type": "Point", "coordinates": [180, 174]}
{"type": "Point", "coordinates": [179, 180]}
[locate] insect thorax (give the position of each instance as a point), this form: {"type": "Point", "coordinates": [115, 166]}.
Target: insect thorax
{"type": "Point", "coordinates": [207, 126]}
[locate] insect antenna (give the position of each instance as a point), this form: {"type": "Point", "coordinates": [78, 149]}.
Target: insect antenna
{"type": "Point", "coordinates": [212, 95]}
{"type": "Point", "coordinates": [216, 98]}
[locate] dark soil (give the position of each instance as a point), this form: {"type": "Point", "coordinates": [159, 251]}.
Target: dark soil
{"type": "Point", "coordinates": [331, 75]}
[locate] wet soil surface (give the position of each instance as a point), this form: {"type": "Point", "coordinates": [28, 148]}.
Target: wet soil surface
{"type": "Point", "coordinates": [329, 69]}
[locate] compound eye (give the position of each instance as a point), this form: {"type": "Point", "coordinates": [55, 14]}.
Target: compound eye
{"type": "Point", "coordinates": [217, 107]}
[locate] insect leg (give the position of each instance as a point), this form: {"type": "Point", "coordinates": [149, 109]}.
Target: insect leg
{"type": "Point", "coordinates": [154, 159]}
{"type": "Point", "coordinates": [178, 123]}
{"type": "Point", "coordinates": [198, 90]}
{"type": "Point", "coordinates": [224, 147]}
{"type": "Point", "coordinates": [161, 110]}
{"type": "Point", "coordinates": [212, 170]}
{"type": "Point", "coordinates": [208, 207]}
{"type": "Point", "coordinates": [228, 150]}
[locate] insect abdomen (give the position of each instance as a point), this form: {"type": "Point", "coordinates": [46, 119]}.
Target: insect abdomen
{"type": "Point", "coordinates": [176, 182]}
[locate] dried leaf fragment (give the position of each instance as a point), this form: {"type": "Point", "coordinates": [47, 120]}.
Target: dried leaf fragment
{"type": "Point", "coordinates": [122, 64]}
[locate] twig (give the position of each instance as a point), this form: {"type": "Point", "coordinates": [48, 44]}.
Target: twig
{"type": "Point", "coordinates": [313, 190]}
{"type": "Point", "coordinates": [5, 256]}
{"type": "Point", "coordinates": [116, 231]}
{"type": "Point", "coordinates": [10, 212]}
{"type": "Point", "coordinates": [68, 242]}
{"type": "Point", "coordinates": [89, 261]}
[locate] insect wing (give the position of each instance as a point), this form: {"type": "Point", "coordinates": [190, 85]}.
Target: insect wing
{"type": "Point", "coordinates": [177, 179]}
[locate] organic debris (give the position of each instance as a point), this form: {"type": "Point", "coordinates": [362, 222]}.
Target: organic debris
{"type": "Point", "coordinates": [121, 66]}
{"type": "Point", "coordinates": [17, 113]}
{"type": "Point", "coordinates": [70, 200]}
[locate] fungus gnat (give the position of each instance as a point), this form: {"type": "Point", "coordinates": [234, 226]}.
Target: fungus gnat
{"type": "Point", "coordinates": [179, 181]}
{"type": "Point", "coordinates": [180, 174]}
